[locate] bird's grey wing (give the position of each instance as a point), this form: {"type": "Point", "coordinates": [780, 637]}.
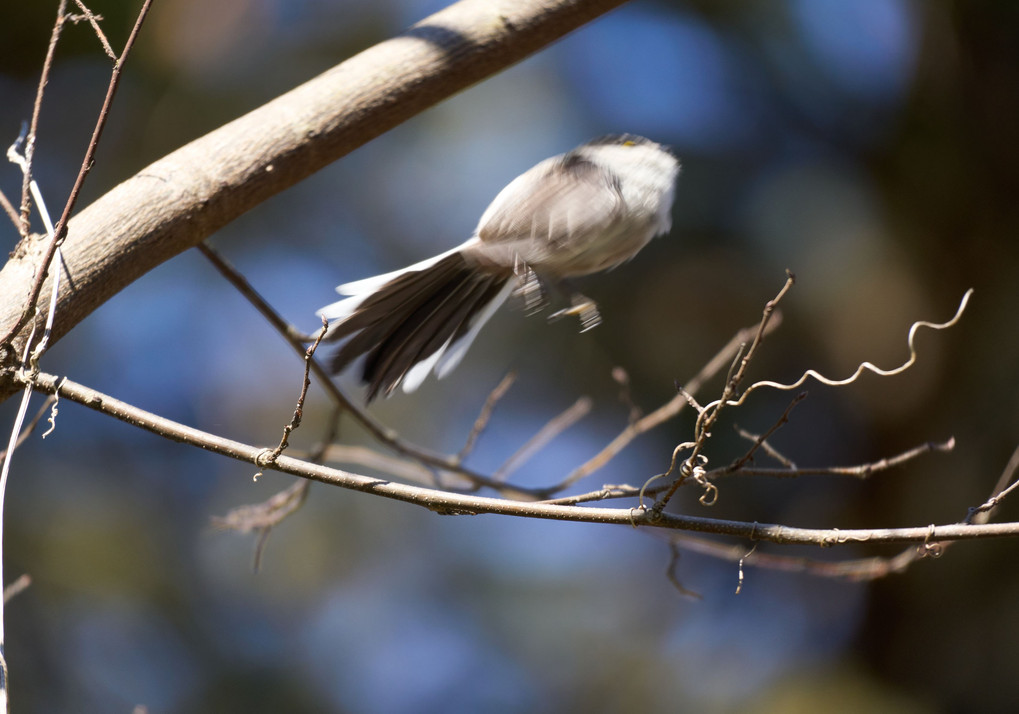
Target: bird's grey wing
{"type": "Point", "coordinates": [558, 202]}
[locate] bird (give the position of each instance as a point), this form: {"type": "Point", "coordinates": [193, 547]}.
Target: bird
{"type": "Point", "coordinates": [577, 213]}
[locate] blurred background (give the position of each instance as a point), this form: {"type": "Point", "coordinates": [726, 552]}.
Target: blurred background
{"type": "Point", "coordinates": [870, 147]}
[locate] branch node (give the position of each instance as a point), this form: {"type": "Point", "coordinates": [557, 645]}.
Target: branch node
{"type": "Point", "coordinates": [265, 458]}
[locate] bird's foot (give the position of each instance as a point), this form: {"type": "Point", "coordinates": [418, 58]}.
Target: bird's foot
{"type": "Point", "coordinates": [584, 308]}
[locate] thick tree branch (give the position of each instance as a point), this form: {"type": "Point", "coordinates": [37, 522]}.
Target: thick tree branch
{"type": "Point", "coordinates": [179, 200]}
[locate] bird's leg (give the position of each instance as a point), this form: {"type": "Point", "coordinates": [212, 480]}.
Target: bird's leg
{"type": "Point", "coordinates": [580, 305]}
{"type": "Point", "coordinates": [531, 289]}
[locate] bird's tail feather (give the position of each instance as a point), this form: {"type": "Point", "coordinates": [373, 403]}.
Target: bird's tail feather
{"type": "Point", "coordinates": [419, 318]}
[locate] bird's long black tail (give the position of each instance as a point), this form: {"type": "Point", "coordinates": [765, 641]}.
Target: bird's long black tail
{"type": "Point", "coordinates": [418, 320]}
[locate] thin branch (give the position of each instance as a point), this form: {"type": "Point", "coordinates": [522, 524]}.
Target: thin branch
{"type": "Point", "coordinates": [856, 569]}
{"type": "Point", "coordinates": [761, 441]}
{"type": "Point", "coordinates": [860, 471]}
{"type": "Point", "coordinates": [263, 515]}
{"type": "Point", "coordinates": [94, 21]}
{"type": "Point", "coordinates": [366, 458]}
{"type": "Point", "coordinates": [9, 209]}
{"type": "Point", "coordinates": [766, 447]}
{"type": "Point", "coordinates": [86, 167]}
{"type": "Point", "coordinates": [710, 412]}
{"type": "Point", "coordinates": [662, 414]}
{"type": "Point", "coordinates": [553, 428]}
{"type": "Point", "coordinates": [1007, 483]}
{"type": "Point", "coordinates": [295, 421]}
{"type": "Point", "coordinates": [618, 491]}
{"type": "Point", "coordinates": [671, 573]}
{"type": "Point", "coordinates": [486, 414]}
{"type": "Point", "coordinates": [463, 504]}
{"type": "Point", "coordinates": [44, 78]}
{"type": "Point", "coordinates": [31, 426]}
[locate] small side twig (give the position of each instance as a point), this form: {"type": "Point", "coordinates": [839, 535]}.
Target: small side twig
{"type": "Point", "coordinates": [262, 517]}
{"type": "Point", "coordinates": [9, 209]}
{"type": "Point", "coordinates": [553, 428]}
{"type": "Point", "coordinates": [860, 471]}
{"type": "Point", "coordinates": [295, 421]}
{"type": "Point", "coordinates": [1007, 483]}
{"type": "Point", "coordinates": [486, 414]}
{"type": "Point", "coordinates": [761, 441]}
{"type": "Point", "coordinates": [30, 427]}
{"type": "Point", "coordinates": [766, 447]}
{"type": "Point", "coordinates": [29, 135]}
{"type": "Point", "coordinates": [671, 573]}
{"type": "Point", "coordinates": [856, 569]}
{"type": "Point", "coordinates": [94, 20]}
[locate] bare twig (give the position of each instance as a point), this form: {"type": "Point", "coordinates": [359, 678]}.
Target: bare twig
{"type": "Point", "coordinates": [486, 413]}
{"type": "Point", "coordinates": [86, 167]}
{"type": "Point", "coordinates": [766, 447]}
{"type": "Point", "coordinates": [710, 414]}
{"type": "Point", "coordinates": [856, 569]}
{"type": "Point", "coordinates": [31, 426]}
{"type": "Point", "coordinates": [762, 440]}
{"type": "Point", "coordinates": [26, 179]}
{"type": "Point", "coordinates": [262, 517]}
{"type": "Point", "coordinates": [5, 469]}
{"type": "Point", "coordinates": [662, 414]}
{"type": "Point", "coordinates": [553, 428]}
{"type": "Point", "coordinates": [693, 466]}
{"type": "Point", "coordinates": [94, 20]}
{"type": "Point", "coordinates": [9, 209]}
{"type": "Point", "coordinates": [860, 471]}
{"type": "Point", "coordinates": [671, 574]}
{"type": "Point", "coordinates": [295, 421]}
{"type": "Point", "coordinates": [611, 492]}
{"type": "Point", "coordinates": [366, 458]}
{"type": "Point", "coordinates": [1007, 483]}
{"type": "Point", "coordinates": [860, 568]}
